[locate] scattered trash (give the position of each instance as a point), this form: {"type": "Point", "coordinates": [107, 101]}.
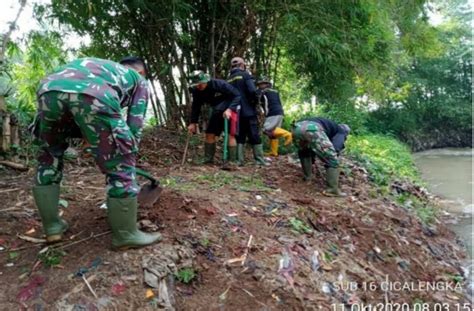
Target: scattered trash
{"type": "Point", "coordinates": [147, 225]}
{"type": "Point", "coordinates": [403, 264]}
{"type": "Point", "coordinates": [326, 288]}
{"type": "Point", "coordinates": [167, 262]}
{"type": "Point", "coordinates": [149, 294]}
{"type": "Point", "coordinates": [32, 289]}
{"type": "Point", "coordinates": [315, 265]}
{"type": "Point", "coordinates": [118, 288]}
{"type": "Point", "coordinates": [287, 266]}
{"type": "Point", "coordinates": [165, 293]}
{"type": "Point", "coordinates": [63, 203]}
{"type": "Point", "coordinates": [276, 298]}
{"type": "Point", "coordinates": [223, 296]}
{"type": "Point", "coordinates": [103, 206]}
{"type": "Point", "coordinates": [258, 197]}
{"type": "Point", "coordinates": [82, 272]}
{"type": "Point", "coordinates": [242, 258]}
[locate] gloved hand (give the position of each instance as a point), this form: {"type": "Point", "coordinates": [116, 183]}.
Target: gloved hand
{"type": "Point", "coordinates": [227, 113]}
{"type": "Point", "coordinates": [192, 128]}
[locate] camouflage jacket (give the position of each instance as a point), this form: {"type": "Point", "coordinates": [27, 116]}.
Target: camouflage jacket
{"type": "Point", "coordinates": [111, 83]}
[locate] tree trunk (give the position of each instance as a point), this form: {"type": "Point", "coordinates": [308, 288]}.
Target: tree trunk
{"type": "Point", "coordinates": [5, 135]}
{"type": "Point", "coordinates": [6, 131]}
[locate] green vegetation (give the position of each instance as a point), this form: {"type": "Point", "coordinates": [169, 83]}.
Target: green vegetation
{"type": "Point", "coordinates": [185, 275]}
{"type": "Point", "coordinates": [299, 226]}
{"type": "Point", "coordinates": [383, 157]}
{"type": "Point", "coordinates": [176, 183]}
{"type": "Point", "coordinates": [379, 66]}
{"type": "Point", "coordinates": [422, 209]}
{"type": "Point", "coordinates": [42, 53]}
{"type": "Point", "coordinates": [51, 257]}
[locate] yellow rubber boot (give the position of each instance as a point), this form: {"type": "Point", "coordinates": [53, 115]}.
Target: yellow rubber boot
{"type": "Point", "coordinates": [273, 148]}
{"type": "Point", "coordinates": [279, 132]}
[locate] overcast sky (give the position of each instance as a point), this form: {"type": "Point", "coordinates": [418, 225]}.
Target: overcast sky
{"type": "Point", "coordinates": [27, 22]}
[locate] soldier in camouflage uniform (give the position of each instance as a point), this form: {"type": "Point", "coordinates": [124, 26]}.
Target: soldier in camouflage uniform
{"type": "Point", "coordinates": [87, 96]}
{"type": "Point", "coordinates": [325, 139]}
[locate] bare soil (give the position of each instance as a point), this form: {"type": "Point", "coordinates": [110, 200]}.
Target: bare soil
{"type": "Point", "coordinates": [305, 249]}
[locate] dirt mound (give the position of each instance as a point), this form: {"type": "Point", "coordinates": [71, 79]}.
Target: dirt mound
{"type": "Point", "coordinates": [251, 239]}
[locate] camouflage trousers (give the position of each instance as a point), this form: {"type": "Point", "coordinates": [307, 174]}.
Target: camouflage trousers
{"type": "Point", "coordinates": [310, 139]}
{"type": "Point", "coordinates": [112, 144]}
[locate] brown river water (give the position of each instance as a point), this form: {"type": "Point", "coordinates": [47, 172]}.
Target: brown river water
{"type": "Point", "coordinates": [448, 174]}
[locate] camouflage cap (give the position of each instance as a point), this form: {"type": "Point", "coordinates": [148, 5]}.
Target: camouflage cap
{"type": "Point", "coordinates": [263, 79]}
{"type": "Point", "coordinates": [197, 77]}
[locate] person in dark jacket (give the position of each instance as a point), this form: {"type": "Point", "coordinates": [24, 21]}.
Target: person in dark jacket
{"type": "Point", "coordinates": [224, 100]}
{"type": "Point", "coordinates": [269, 99]}
{"type": "Point", "coordinates": [248, 121]}
{"type": "Point", "coordinates": [325, 139]}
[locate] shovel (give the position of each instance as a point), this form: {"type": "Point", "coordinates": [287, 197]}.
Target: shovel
{"type": "Point", "coordinates": [225, 156]}
{"type": "Point", "coordinates": [149, 194]}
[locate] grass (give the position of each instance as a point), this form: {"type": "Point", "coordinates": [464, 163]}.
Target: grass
{"type": "Point", "coordinates": [385, 158]}
{"type": "Point", "coordinates": [299, 226]}
{"type": "Point", "coordinates": [176, 183]}
{"type": "Point", "coordinates": [423, 210]}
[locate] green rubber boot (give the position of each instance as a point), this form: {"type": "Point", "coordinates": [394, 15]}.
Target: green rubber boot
{"type": "Point", "coordinates": [209, 151]}
{"type": "Point", "coordinates": [258, 154]}
{"type": "Point", "coordinates": [332, 179]}
{"type": "Point", "coordinates": [122, 215]}
{"type": "Point", "coordinates": [233, 154]}
{"type": "Point", "coordinates": [47, 201]}
{"type": "Point", "coordinates": [240, 154]}
{"type": "Point", "coordinates": [307, 166]}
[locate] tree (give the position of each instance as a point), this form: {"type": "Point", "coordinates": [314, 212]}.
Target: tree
{"type": "Point", "coordinates": [435, 109]}
{"type": "Point", "coordinates": [330, 43]}
{"type": "Point", "coordinates": [6, 131]}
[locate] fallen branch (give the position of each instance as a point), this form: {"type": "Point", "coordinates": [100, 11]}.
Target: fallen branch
{"type": "Point", "coordinates": [82, 240]}
{"type": "Point", "coordinates": [242, 258]}
{"type": "Point", "coordinates": [14, 165]}
{"type": "Point", "coordinates": [9, 209]}
{"type": "Point", "coordinates": [61, 245]}
{"type": "Point", "coordinates": [185, 151]}
{"type": "Point", "coordinates": [86, 187]}
{"type": "Point", "coordinates": [247, 250]}
{"type": "Point", "coordinates": [9, 190]}
{"type": "Point", "coordinates": [30, 239]}
{"type": "Point", "coordinates": [89, 286]}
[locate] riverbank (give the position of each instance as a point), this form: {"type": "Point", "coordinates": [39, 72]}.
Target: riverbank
{"type": "Point", "coordinates": [437, 139]}
{"type": "Point", "coordinates": [253, 238]}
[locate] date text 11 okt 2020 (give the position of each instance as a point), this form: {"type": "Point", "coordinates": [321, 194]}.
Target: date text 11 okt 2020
{"type": "Point", "coordinates": [403, 307]}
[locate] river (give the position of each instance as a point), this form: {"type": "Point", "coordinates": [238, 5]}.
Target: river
{"type": "Point", "coordinates": [448, 173]}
